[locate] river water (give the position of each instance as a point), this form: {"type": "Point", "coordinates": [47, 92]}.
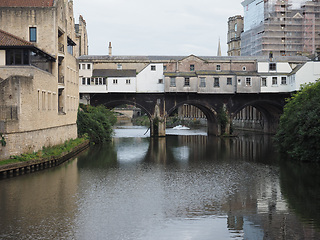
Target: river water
{"type": "Point", "coordinates": [182, 187]}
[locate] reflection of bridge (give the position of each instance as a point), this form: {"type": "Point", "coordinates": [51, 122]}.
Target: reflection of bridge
{"type": "Point", "coordinates": [158, 106]}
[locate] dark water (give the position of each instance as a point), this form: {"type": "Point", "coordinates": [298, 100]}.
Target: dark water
{"type": "Point", "coordinates": [180, 187]}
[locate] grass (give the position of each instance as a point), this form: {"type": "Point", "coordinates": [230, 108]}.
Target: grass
{"type": "Point", "coordinates": [46, 152]}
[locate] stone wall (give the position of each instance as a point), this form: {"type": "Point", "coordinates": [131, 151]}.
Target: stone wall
{"type": "Point", "coordinates": [32, 141]}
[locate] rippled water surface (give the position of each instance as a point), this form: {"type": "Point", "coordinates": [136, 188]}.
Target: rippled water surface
{"type": "Point", "coordinates": [185, 186]}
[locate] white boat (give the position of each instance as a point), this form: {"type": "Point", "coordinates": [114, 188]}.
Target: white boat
{"type": "Point", "coordinates": [180, 127]}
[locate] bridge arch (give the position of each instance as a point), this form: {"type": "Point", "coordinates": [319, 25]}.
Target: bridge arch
{"type": "Point", "coordinates": [157, 128]}
{"type": "Point", "coordinates": [210, 112]}
{"type": "Point", "coordinates": [270, 111]}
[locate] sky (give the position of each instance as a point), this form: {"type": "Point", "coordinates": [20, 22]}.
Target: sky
{"type": "Point", "coordinates": [166, 27]}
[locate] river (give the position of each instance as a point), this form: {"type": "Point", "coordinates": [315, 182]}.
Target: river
{"type": "Point", "coordinates": [186, 186]}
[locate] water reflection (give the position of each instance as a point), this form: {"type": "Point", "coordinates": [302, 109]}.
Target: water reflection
{"type": "Point", "coordinates": [178, 187]}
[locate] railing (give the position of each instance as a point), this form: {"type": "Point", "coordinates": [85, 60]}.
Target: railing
{"type": "Point", "coordinates": [8, 113]}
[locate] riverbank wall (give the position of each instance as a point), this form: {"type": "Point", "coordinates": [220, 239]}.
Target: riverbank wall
{"type": "Point", "coordinates": [16, 169]}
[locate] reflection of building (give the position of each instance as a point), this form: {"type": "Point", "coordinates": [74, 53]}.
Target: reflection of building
{"type": "Point", "coordinates": [38, 75]}
{"type": "Point", "coordinates": [278, 27]}
{"type": "Point", "coordinates": [235, 28]}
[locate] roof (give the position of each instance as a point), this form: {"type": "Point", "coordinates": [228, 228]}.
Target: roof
{"type": "Point", "coordinates": [114, 73]}
{"type": "Point", "coordinates": [179, 58]}
{"type": "Point", "coordinates": [9, 40]}
{"type": "Point", "coordinates": [26, 3]}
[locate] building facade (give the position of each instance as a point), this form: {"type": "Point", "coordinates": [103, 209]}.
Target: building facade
{"type": "Point", "coordinates": [38, 75]}
{"type": "Point", "coordinates": [280, 27]}
{"type": "Point", "coordinates": [235, 29]}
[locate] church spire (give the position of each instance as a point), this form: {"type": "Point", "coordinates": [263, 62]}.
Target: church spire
{"type": "Point", "coordinates": [219, 49]}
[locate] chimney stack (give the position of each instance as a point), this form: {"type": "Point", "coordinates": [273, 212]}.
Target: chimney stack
{"type": "Point", "coordinates": [110, 49]}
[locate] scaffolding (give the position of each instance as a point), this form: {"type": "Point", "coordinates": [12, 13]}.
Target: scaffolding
{"type": "Point", "coordinates": [285, 30]}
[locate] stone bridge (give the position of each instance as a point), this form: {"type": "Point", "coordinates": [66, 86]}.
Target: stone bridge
{"type": "Point", "coordinates": [158, 106]}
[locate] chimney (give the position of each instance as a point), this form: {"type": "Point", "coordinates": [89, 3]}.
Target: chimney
{"type": "Point", "coordinates": [110, 49]}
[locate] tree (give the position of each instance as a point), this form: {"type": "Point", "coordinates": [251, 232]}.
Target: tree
{"type": "Point", "coordinates": [96, 122]}
{"type": "Point", "coordinates": [299, 129]}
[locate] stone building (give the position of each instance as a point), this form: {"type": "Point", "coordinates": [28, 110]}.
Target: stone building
{"type": "Point", "coordinates": [81, 38]}
{"type": "Point", "coordinates": [235, 28]}
{"type": "Point", "coordinates": [39, 88]}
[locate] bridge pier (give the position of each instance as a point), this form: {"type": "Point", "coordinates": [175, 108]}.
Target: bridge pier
{"type": "Point", "coordinates": [158, 127]}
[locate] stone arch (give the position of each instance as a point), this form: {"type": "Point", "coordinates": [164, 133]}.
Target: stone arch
{"type": "Point", "coordinates": [157, 124]}
{"type": "Point", "coordinates": [270, 110]}
{"type": "Point", "coordinates": [209, 111]}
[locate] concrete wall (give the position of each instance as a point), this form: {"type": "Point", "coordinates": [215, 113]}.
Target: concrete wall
{"type": "Point", "coordinates": [121, 85]}
{"type": "Point", "coordinates": [148, 80]}
{"type": "Point", "coordinates": [2, 57]}
{"type": "Point", "coordinates": [310, 72]}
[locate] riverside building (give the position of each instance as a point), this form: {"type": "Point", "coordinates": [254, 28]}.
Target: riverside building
{"type": "Point", "coordinates": [39, 87]}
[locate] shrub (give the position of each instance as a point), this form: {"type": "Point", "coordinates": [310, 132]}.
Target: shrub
{"type": "Point", "coordinates": [96, 122]}
{"type": "Point", "coordinates": [299, 129]}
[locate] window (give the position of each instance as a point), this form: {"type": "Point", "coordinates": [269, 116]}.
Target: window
{"type": "Point", "coordinates": [153, 67]}
{"type": "Point", "coordinates": [216, 82]}
{"type": "Point", "coordinates": [239, 81]}
{"type": "Point", "coordinates": [164, 68]}
{"type": "Point", "coordinates": [172, 82]}
{"type": "Point", "coordinates": [17, 57]}
{"type": "Point", "coordinates": [248, 81]}
{"type": "Point", "coordinates": [115, 81]}
{"type": "Point", "coordinates": [33, 34]}
{"type": "Point", "coordinates": [88, 81]}
{"type": "Point", "coordinates": [160, 81]}
{"type": "Point", "coordinates": [186, 81]}
{"type": "Point", "coordinates": [218, 67]}
{"type": "Point", "coordinates": [283, 80]}
{"type": "Point", "coordinates": [119, 66]}
{"type": "Point", "coordinates": [244, 68]}
{"type": "Point", "coordinates": [202, 82]}
{"type": "Point", "coordinates": [272, 67]}
{"type": "Point", "coordinates": [83, 81]}
{"type": "Point", "coordinates": [104, 81]}
{"type": "Point", "coordinates": [88, 66]}
{"type": "Point", "coordinates": [191, 67]}
{"type": "Point", "coordinates": [70, 49]}
{"type": "Point", "coordinates": [83, 66]}
{"type": "Point", "coordinates": [274, 80]}
{"type": "Point", "coordinates": [128, 81]}
{"type": "Point", "coordinates": [229, 81]}
{"type": "Point", "coordinates": [235, 27]}
{"type": "Point", "coordinates": [263, 82]}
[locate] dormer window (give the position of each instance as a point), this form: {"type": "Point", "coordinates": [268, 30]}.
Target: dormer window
{"type": "Point", "coordinates": [272, 67]}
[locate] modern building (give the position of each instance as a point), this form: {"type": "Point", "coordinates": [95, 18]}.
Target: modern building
{"type": "Point", "coordinates": [39, 82]}
{"type": "Point", "coordinates": [235, 29]}
{"type": "Point", "coordinates": [280, 27]}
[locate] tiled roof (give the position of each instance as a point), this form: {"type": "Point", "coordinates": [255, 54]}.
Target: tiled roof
{"type": "Point", "coordinates": [9, 40]}
{"type": "Point", "coordinates": [178, 58]}
{"type": "Point", "coordinates": [26, 3]}
{"type": "Point", "coordinates": [114, 73]}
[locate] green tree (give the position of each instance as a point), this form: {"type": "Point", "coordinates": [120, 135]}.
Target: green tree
{"type": "Point", "coordinates": [299, 129]}
{"type": "Point", "coordinates": [96, 122]}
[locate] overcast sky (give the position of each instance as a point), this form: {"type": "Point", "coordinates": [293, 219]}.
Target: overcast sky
{"type": "Point", "coordinates": [166, 27]}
